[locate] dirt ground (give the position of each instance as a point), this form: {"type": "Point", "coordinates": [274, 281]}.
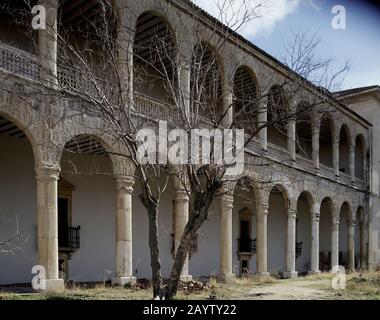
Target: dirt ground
{"type": "Point", "coordinates": [358, 286]}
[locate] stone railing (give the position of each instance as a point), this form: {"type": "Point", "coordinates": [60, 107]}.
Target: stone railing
{"type": "Point", "coordinates": [305, 163]}
{"type": "Point", "coordinates": [345, 178]}
{"type": "Point", "coordinates": [155, 109]}
{"type": "Point", "coordinates": [327, 171]}
{"type": "Point", "coordinates": [278, 153]}
{"type": "Point", "coordinates": [18, 62]}
{"type": "Point", "coordinates": [25, 64]}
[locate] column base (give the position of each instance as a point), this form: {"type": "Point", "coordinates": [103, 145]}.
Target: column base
{"type": "Point", "coordinates": [186, 278]}
{"type": "Point", "coordinates": [263, 274]}
{"type": "Point", "coordinates": [122, 281]}
{"type": "Point", "coordinates": [222, 277]}
{"type": "Point", "coordinates": [290, 274]}
{"type": "Point", "coordinates": [314, 272]}
{"type": "Point", "coordinates": [53, 285]}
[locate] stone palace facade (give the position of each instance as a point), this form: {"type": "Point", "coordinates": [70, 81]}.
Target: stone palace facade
{"type": "Point", "coordinates": [320, 210]}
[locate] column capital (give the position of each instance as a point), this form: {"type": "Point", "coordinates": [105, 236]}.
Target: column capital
{"type": "Point", "coordinates": [181, 194]}
{"type": "Point", "coordinates": [292, 213]}
{"type": "Point", "coordinates": [226, 200]}
{"type": "Point", "coordinates": [352, 222]}
{"type": "Point", "coordinates": [263, 209]}
{"type": "Point", "coordinates": [47, 172]}
{"type": "Point", "coordinates": [125, 183]}
{"type": "Point", "coordinates": [315, 216]}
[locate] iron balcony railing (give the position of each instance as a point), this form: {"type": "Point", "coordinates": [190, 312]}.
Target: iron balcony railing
{"type": "Point", "coordinates": [69, 238]}
{"type": "Point", "coordinates": [247, 245]}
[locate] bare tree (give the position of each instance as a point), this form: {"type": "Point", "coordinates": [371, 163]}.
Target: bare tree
{"type": "Point", "coordinates": [93, 62]}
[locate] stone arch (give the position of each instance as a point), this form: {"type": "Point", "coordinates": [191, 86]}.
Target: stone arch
{"type": "Point", "coordinates": [277, 228]}
{"type": "Point", "coordinates": [327, 217]}
{"type": "Point", "coordinates": [245, 218]}
{"type": "Point", "coordinates": [305, 204]}
{"type": "Point", "coordinates": [209, 72]}
{"type": "Point", "coordinates": [278, 108]}
{"type": "Point", "coordinates": [326, 139]}
{"type": "Point", "coordinates": [344, 148]}
{"type": "Point", "coordinates": [155, 51]}
{"type": "Point", "coordinates": [245, 101]}
{"type": "Point", "coordinates": [20, 157]}
{"type": "Point", "coordinates": [345, 219]}
{"type": "Point", "coordinates": [92, 164]}
{"type": "Point", "coordinates": [304, 131]}
{"type": "Point", "coordinates": [360, 157]}
{"type": "Point", "coordinates": [28, 127]}
{"type": "Point", "coordinates": [361, 238]}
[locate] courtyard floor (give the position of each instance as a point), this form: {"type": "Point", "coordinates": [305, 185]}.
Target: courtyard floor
{"type": "Point", "coordinates": [358, 286]}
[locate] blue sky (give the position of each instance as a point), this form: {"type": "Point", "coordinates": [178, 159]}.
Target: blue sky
{"type": "Point", "coordinates": [359, 42]}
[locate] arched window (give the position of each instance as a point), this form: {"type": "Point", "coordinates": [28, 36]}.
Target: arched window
{"type": "Point", "coordinates": [325, 141]}
{"type": "Point", "coordinates": [245, 100]}
{"type": "Point", "coordinates": [206, 84]}
{"type": "Point", "coordinates": [277, 112]}
{"type": "Point", "coordinates": [154, 56]}
{"type": "Point", "coordinates": [359, 157]}
{"type": "Point", "coordinates": [303, 132]}
{"type": "Point", "coordinates": [344, 143]}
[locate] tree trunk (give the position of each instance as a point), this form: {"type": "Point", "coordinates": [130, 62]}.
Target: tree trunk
{"type": "Point", "coordinates": [154, 251]}
{"type": "Point", "coordinates": [179, 261]}
{"type": "Point", "coordinates": [202, 203]}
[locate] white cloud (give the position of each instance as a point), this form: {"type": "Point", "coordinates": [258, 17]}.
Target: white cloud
{"type": "Point", "coordinates": [267, 13]}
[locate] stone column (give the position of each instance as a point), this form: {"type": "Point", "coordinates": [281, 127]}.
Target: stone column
{"type": "Point", "coordinates": [351, 162]}
{"type": "Point", "coordinates": [334, 242]}
{"type": "Point", "coordinates": [335, 150]}
{"type": "Point", "coordinates": [185, 76]}
{"type": "Point", "coordinates": [262, 238]}
{"type": "Point", "coordinates": [315, 145]}
{"type": "Point", "coordinates": [292, 139]}
{"type": "Point", "coordinates": [315, 217]}
{"type": "Point", "coordinates": [47, 226]}
{"type": "Point", "coordinates": [291, 245]}
{"type": "Point", "coordinates": [226, 205]}
{"type": "Point", "coordinates": [47, 45]}
{"type": "Point", "coordinates": [125, 42]}
{"type": "Point", "coordinates": [181, 216]}
{"type": "Point", "coordinates": [262, 120]}
{"type": "Point", "coordinates": [124, 262]}
{"type": "Point", "coordinates": [363, 243]}
{"type": "Point", "coordinates": [351, 245]}
{"type": "Point", "coordinates": [227, 106]}
{"type": "Point", "coordinates": [365, 168]}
